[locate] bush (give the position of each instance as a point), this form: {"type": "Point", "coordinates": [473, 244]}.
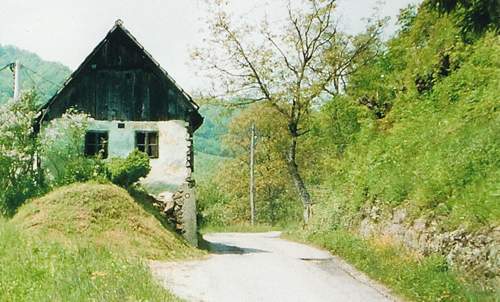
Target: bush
{"type": "Point", "coordinates": [126, 171]}
{"type": "Point", "coordinates": [19, 177]}
{"type": "Point", "coordinates": [62, 151]}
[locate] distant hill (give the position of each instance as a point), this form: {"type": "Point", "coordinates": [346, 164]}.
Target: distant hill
{"type": "Point", "coordinates": [39, 75]}
{"type": "Point", "coordinates": [208, 139]}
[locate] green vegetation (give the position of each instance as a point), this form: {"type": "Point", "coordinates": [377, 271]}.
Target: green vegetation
{"type": "Point", "coordinates": [35, 269]}
{"type": "Point", "coordinates": [126, 171]}
{"type": "Point", "coordinates": [416, 278]}
{"type": "Point", "coordinates": [104, 215]}
{"type": "Point", "coordinates": [239, 228]}
{"type": "Point", "coordinates": [436, 152]}
{"type": "Point", "coordinates": [19, 179]}
{"type": "Point", "coordinates": [417, 127]}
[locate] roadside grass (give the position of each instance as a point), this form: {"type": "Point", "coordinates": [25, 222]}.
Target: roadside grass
{"type": "Point", "coordinates": [34, 269]}
{"type": "Point", "coordinates": [239, 228]}
{"type": "Point", "coordinates": [413, 277]}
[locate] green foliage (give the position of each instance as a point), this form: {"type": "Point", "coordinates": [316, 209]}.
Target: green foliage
{"type": "Point", "coordinates": [35, 269]}
{"type": "Point", "coordinates": [337, 124]}
{"type": "Point", "coordinates": [473, 16]}
{"type": "Point", "coordinates": [126, 171]}
{"type": "Point", "coordinates": [55, 72]}
{"type": "Point", "coordinates": [19, 178]}
{"type": "Point", "coordinates": [212, 205]}
{"type": "Point", "coordinates": [425, 279]}
{"type": "Point", "coordinates": [437, 150]}
{"type": "Point", "coordinates": [62, 151]}
{"type": "Point", "coordinates": [224, 198]}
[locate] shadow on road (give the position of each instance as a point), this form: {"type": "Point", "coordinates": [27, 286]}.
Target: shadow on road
{"type": "Point", "coordinates": [221, 248]}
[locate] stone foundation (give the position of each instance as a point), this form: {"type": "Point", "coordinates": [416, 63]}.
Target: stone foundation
{"type": "Point", "coordinates": [180, 211]}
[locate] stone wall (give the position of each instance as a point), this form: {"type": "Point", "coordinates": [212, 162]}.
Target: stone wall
{"type": "Point", "coordinates": [477, 253]}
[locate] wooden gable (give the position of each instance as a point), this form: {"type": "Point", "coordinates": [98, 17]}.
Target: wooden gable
{"type": "Point", "coordinates": [119, 80]}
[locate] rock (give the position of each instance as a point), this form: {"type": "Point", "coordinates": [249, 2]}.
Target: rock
{"type": "Point", "coordinates": [399, 216]}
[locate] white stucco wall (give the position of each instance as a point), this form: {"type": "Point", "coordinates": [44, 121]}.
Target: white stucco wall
{"type": "Point", "coordinates": [170, 169]}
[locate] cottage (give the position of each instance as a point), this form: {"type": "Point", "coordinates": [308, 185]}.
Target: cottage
{"type": "Point", "coordinates": [136, 104]}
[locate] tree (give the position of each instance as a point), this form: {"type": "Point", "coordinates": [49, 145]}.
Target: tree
{"type": "Point", "coordinates": [291, 68]}
{"type": "Point", "coordinates": [20, 177]}
{"type": "Point", "coordinates": [474, 16]}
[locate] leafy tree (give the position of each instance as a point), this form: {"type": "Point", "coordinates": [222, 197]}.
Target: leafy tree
{"type": "Point", "coordinates": [473, 16]}
{"type": "Point", "coordinates": [275, 202]}
{"type": "Point", "coordinates": [291, 69]}
{"type": "Point", "coordinates": [20, 177]}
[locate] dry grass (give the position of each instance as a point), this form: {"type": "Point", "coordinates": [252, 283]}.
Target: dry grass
{"type": "Point", "coordinates": [105, 215]}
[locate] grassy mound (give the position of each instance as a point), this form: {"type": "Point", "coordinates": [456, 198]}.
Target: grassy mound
{"type": "Point", "coordinates": [104, 215]}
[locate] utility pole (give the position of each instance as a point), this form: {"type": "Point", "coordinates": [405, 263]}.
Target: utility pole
{"type": "Point", "coordinates": [17, 80]}
{"type": "Point", "coordinates": [252, 176]}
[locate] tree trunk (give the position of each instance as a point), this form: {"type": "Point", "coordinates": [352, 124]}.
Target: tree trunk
{"type": "Point", "coordinates": [293, 169]}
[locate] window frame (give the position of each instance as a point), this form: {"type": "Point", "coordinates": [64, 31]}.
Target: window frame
{"type": "Point", "coordinates": [99, 143]}
{"type": "Point", "coordinates": [146, 146]}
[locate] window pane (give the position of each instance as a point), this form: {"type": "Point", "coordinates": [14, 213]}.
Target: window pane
{"type": "Point", "coordinates": [96, 142]}
{"type": "Point", "coordinates": [153, 151]}
{"type": "Point", "coordinates": [89, 138]}
{"type": "Point", "coordinates": [147, 142]}
{"type": "Point", "coordinates": [90, 150]}
{"type": "Point", "coordinates": [153, 138]}
{"type": "Point", "coordinates": [140, 138]}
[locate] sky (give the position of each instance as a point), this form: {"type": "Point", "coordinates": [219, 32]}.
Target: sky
{"type": "Point", "coordinates": [66, 31]}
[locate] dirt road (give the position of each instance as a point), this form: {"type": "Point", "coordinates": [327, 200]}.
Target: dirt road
{"type": "Point", "coordinates": [263, 267]}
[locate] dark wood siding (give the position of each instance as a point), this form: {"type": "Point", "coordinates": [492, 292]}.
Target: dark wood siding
{"type": "Point", "coordinates": [119, 82]}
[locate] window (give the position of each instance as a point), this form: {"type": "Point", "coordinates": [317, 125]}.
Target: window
{"type": "Point", "coordinates": [147, 141]}
{"type": "Point", "coordinates": [96, 143]}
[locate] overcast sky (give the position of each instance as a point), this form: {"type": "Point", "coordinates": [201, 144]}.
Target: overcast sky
{"type": "Point", "coordinates": [67, 30]}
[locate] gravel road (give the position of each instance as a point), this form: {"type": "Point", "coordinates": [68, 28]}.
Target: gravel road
{"type": "Point", "coordinates": [263, 267]}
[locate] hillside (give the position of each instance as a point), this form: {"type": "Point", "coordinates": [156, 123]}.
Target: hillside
{"type": "Point", "coordinates": [37, 78]}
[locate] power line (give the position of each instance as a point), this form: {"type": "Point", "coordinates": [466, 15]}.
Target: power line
{"type": "Point", "coordinates": [42, 77]}
{"type": "Point", "coordinates": [8, 65]}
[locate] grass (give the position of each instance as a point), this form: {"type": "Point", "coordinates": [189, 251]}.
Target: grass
{"type": "Point", "coordinates": [415, 278]}
{"type": "Point", "coordinates": [35, 269]}
{"type": "Point", "coordinates": [104, 215]}
{"type": "Point", "coordinates": [86, 242]}
{"type": "Point", "coordinates": [239, 228]}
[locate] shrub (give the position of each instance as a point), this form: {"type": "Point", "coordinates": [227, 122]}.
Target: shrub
{"type": "Point", "coordinates": [62, 151]}
{"type": "Point", "coordinates": [19, 177]}
{"type": "Point", "coordinates": [126, 171]}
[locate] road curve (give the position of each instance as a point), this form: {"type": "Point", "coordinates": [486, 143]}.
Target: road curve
{"type": "Point", "coordinates": [263, 267]}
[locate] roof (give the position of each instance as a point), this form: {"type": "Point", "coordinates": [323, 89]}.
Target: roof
{"type": "Point", "coordinates": [119, 25]}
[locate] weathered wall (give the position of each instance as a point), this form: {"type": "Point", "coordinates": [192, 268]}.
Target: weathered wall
{"type": "Point", "coordinates": [170, 169]}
